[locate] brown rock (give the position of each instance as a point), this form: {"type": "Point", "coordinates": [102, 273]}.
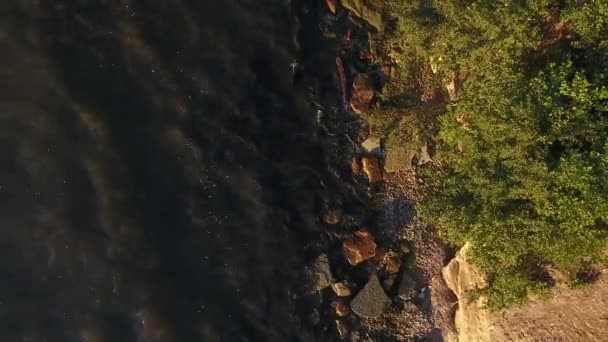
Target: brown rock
{"type": "Point", "coordinates": [331, 5]}
{"type": "Point", "coordinates": [360, 247]}
{"type": "Point", "coordinates": [340, 308]}
{"type": "Point", "coordinates": [332, 216]}
{"type": "Point", "coordinates": [362, 94]}
{"type": "Point", "coordinates": [372, 169]}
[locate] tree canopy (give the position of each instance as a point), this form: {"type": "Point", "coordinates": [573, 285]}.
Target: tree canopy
{"type": "Point", "coordinates": [522, 162]}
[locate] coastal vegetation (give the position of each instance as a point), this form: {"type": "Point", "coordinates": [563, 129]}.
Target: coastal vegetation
{"type": "Point", "coordinates": [521, 164]}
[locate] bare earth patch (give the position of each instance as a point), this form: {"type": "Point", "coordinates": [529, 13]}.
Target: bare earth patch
{"type": "Point", "coordinates": [571, 315]}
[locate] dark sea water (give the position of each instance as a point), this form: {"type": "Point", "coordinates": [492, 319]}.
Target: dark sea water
{"type": "Point", "coordinates": [160, 172]}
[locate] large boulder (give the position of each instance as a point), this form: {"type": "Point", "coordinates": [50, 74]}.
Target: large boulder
{"type": "Point", "coordinates": [371, 301]}
{"type": "Point", "coordinates": [360, 247]}
{"type": "Point", "coordinates": [362, 94]}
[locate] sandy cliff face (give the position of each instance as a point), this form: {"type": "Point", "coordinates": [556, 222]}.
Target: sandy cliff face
{"type": "Point", "coordinates": [473, 322]}
{"type": "Point", "coordinates": [570, 315]}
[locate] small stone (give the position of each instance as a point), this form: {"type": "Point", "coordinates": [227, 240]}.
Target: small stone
{"type": "Point", "coordinates": [342, 328]}
{"type": "Point", "coordinates": [362, 94]}
{"type": "Point", "coordinates": [405, 247]}
{"type": "Point", "coordinates": [331, 5]}
{"type": "Point", "coordinates": [392, 265]}
{"type": "Point", "coordinates": [371, 301]}
{"type": "Point", "coordinates": [320, 273]}
{"type": "Point", "coordinates": [360, 247]}
{"type": "Point", "coordinates": [371, 167]}
{"type": "Point", "coordinates": [372, 145]}
{"type": "Point", "coordinates": [341, 289]}
{"type": "Point", "coordinates": [332, 216]}
{"type": "Point", "coordinates": [406, 287]}
{"type": "Point", "coordinates": [340, 308]}
{"type": "Point", "coordinates": [315, 317]}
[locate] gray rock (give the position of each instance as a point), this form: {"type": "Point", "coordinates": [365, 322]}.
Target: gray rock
{"type": "Point", "coordinates": [341, 289]}
{"type": "Point", "coordinates": [320, 273]}
{"type": "Point", "coordinates": [372, 145]}
{"type": "Point", "coordinates": [424, 155]}
{"type": "Point", "coordinates": [406, 287]}
{"type": "Point", "coordinates": [371, 301]}
{"type": "Point", "coordinates": [342, 328]}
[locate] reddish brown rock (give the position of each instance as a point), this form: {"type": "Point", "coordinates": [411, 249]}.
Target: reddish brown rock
{"type": "Point", "coordinates": [331, 5]}
{"type": "Point", "coordinates": [362, 94]}
{"type": "Point", "coordinates": [332, 216]}
{"type": "Point", "coordinates": [340, 308]}
{"type": "Point", "coordinates": [360, 247]}
{"type": "Point", "coordinates": [372, 169]}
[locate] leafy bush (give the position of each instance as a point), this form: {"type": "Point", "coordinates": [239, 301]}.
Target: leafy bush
{"type": "Point", "coordinates": [523, 153]}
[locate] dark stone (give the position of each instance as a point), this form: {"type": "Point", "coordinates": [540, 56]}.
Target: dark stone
{"type": "Point", "coordinates": [371, 301]}
{"type": "Point", "coordinates": [406, 287]}
{"type": "Point", "coordinates": [320, 273]}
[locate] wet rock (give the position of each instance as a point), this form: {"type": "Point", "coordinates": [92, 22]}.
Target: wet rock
{"type": "Point", "coordinates": [372, 169]}
{"type": "Point", "coordinates": [372, 145]}
{"type": "Point", "coordinates": [360, 247]}
{"type": "Point", "coordinates": [331, 5]}
{"type": "Point", "coordinates": [342, 328]}
{"type": "Point", "coordinates": [366, 10]}
{"type": "Point", "coordinates": [406, 287]}
{"type": "Point", "coordinates": [340, 308]}
{"type": "Point", "coordinates": [371, 301]}
{"type": "Point", "coordinates": [320, 274]}
{"type": "Point", "coordinates": [332, 216]}
{"type": "Point", "coordinates": [362, 94]}
{"type": "Point", "coordinates": [355, 165]}
{"type": "Point", "coordinates": [341, 289]}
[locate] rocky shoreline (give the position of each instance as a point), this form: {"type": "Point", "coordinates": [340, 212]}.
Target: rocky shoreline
{"type": "Point", "coordinates": [378, 276]}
